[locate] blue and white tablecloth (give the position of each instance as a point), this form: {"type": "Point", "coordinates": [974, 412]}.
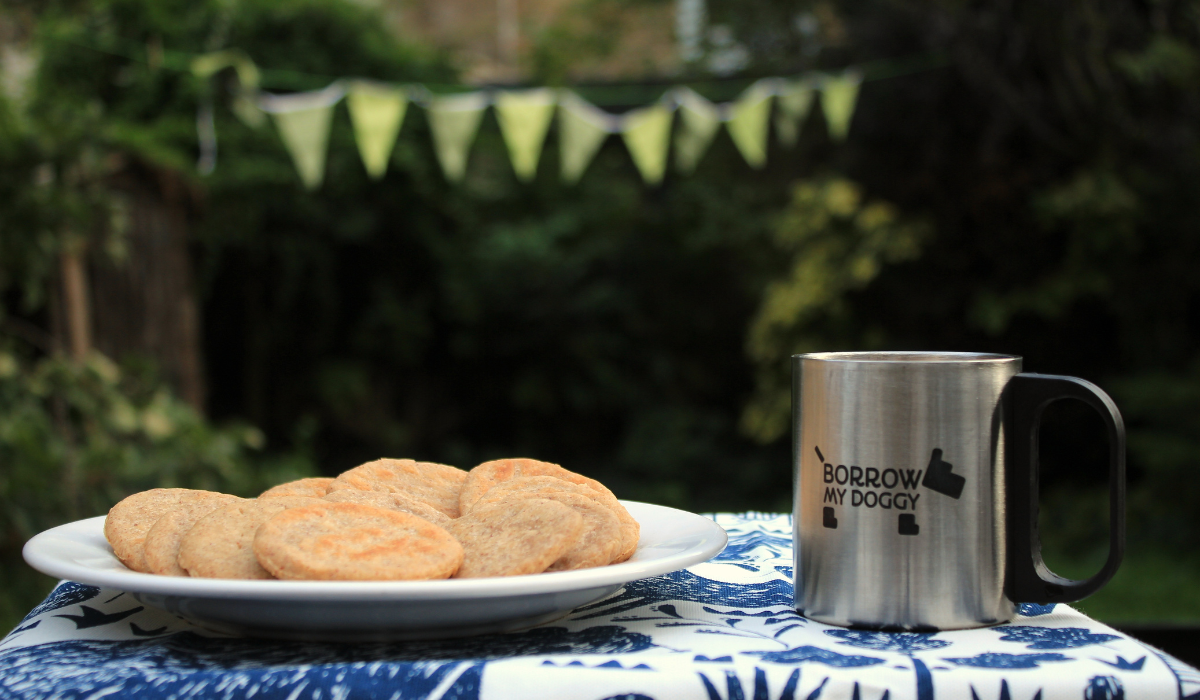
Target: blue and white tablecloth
{"type": "Point", "coordinates": [722, 630]}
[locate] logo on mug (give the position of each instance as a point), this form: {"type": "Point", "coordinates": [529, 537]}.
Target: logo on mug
{"type": "Point", "coordinates": [888, 488]}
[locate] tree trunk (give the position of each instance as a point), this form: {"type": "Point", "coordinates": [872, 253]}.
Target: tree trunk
{"type": "Point", "coordinates": [144, 299]}
{"type": "Point", "coordinates": [77, 311]}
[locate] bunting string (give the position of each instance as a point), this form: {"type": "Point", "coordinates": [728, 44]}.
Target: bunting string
{"type": "Point", "coordinates": [377, 111]}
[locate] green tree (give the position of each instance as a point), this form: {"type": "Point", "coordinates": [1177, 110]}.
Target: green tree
{"type": "Point", "coordinates": [1053, 156]}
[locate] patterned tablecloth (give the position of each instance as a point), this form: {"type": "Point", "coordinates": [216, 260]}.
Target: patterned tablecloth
{"type": "Point", "coordinates": [722, 630]}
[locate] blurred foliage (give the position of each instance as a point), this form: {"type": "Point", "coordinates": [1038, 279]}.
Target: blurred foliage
{"type": "Point", "coordinates": [1054, 158]}
{"type": "Point", "coordinates": [76, 438]}
{"type": "Point", "coordinates": [837, 243]}
{"type": "Point", "coordinates": [590, 30]}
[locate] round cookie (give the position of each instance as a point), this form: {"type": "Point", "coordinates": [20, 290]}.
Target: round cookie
{"type": "Point", "coordinates": [631, 533]}
{"type": "Point", "coordinates": [600, 541]}
{"type": "Point", "coordinates": [349, 541]}
{"type": "Point", "coordinates": [128, 522]}
{"type": "Point", "coordinates": [221, 544]}
{"type": "Point", "coordinates": [488, 475]}
{"type": "Point", "coordinates": [515, 536]}
{"type": "Point", "coordinates": [535, 486]}
{"type": "Point", "coordinates": [161, 549]}
{"type": "Point", "coordinates": [389, 501]}
{"type": "Point", "coordinates": [314, 487]}
{"type": "Point", "coordinates": [542, 486]}
{"type": "Point", "coordinates": [433, 484]}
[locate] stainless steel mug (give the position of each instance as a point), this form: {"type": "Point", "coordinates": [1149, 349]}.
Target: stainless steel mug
{"type": "Point", "coordinates": [916, 488]}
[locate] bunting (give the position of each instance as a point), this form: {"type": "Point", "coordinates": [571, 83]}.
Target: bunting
{"type": "Point", "coordinates": [376, 111]}
{"type": "Point", "coordinates": [793, 102]}
{"type": "Point", "coordinates": [524, 117]}
{"type": "Point", "coordinates": [244, 103]}
{"type": "Point", "coordinates": [699, 120]}
{"type": "Point", "coordinates": [303, 123]}
{"type": "Point", "coordinates": [838, 97]}
{"type": "Point", "coordinates": [749, 118]}
{"type": "Point", "coordinates": [582, 129]}
{"type": "Point", "coordinates": [454, 121]}
{"type": "Point", "coordinates": [647, 133]}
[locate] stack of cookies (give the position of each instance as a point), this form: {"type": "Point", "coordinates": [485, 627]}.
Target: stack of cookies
{"type": "Point", "coordinates": [391, 519]}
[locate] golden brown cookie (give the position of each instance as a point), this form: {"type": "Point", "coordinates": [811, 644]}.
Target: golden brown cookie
{"type": "Point", "coordinates": [600, 541]}
{"type": "Point", "coordinates": [515, 536]}
{"type": "Point", "coordinates": [631, 532]}
{"type": "Point", "coordinates": [349, 541]}
{"type": "Point", "coordinates": [542, 486]}
{"type": "Point", "coordinates": [221, 544]}
{"type": "Point", "coordinates": [162, 541]}
{"type": "Point", "coordinates": [128, 522]}
{"type": "Point", "coordinates": [433, 484]}
{"type": "Point", "coordinates": [488, 475]}
{"type": "Point", "coordinates": [314, 487]}
{"type": "Point", "coordinates": [390, 501]}
{"type": "Point", "coordinates": [534, 486]}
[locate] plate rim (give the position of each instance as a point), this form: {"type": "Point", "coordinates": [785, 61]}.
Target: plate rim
{"type": "Point", "coordinates": [713, 541]}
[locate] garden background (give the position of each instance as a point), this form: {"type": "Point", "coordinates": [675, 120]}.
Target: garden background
{"type": "Point", "coordinates": [1018, 178]}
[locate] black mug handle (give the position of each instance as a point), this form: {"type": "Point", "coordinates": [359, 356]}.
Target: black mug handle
{"type": "Point", "coordinates": [1025, 398]}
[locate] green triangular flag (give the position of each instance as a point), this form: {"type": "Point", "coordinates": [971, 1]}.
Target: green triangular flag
{"type": "Point", "coordinates": [454, 120]}
{"type": "Point", "coordinates": [794, 101]}
{"type": "Point", "coordinates": [647, 133]}
{"type": "Point", "coordinates": [699, 120]}
{"type": "Point", "coordinates": [376, 111]}
{"type": "Point", "coordinates": [245, 105]}
{"type": "Point", "coordinates": [524, 118]}
{"type": "Point", "coordinates": [244, 101]}
{"type": "Point", "coordinates": [582, 128]}
{"type": "Point", "coordinates": [749, 118]}
{"type": "Point", "coordinates": [303, 123]}
{"type": "Point", "coordinates": [838, 96]}
{"type": "Point", "coordinates": [210, 64]}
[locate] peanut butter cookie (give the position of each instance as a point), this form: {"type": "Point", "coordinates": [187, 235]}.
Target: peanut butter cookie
{"type": "Point", "coordinates": [433, 484]}
{"type": "Point", "coordinates": [162, 541]}
{"type": "Point", "coordinates": [349, 541]}
{"type": "Point", "coordinates": [221, 544]}
{"type": "Point", "coordinates": [314, 487]}
{"type": "Point", "coordinates": [515, 536]}
{"type": "Point", "coordinates": [128, 522]}
{"type": "Point", "coordinates": [390, 501]}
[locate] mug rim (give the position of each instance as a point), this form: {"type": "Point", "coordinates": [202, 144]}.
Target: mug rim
{"type": "Point", "coordinates": [907, 357]}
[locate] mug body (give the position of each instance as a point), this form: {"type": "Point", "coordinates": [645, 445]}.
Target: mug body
{"type": "Point", "coordinates": [898, 473]}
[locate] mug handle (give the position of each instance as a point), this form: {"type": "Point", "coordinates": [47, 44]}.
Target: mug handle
{"type": "Point", "coordinates": [1029, 580]}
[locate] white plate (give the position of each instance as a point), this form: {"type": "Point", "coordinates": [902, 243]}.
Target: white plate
{"type": "Point", "coordinates": [371, 610]}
